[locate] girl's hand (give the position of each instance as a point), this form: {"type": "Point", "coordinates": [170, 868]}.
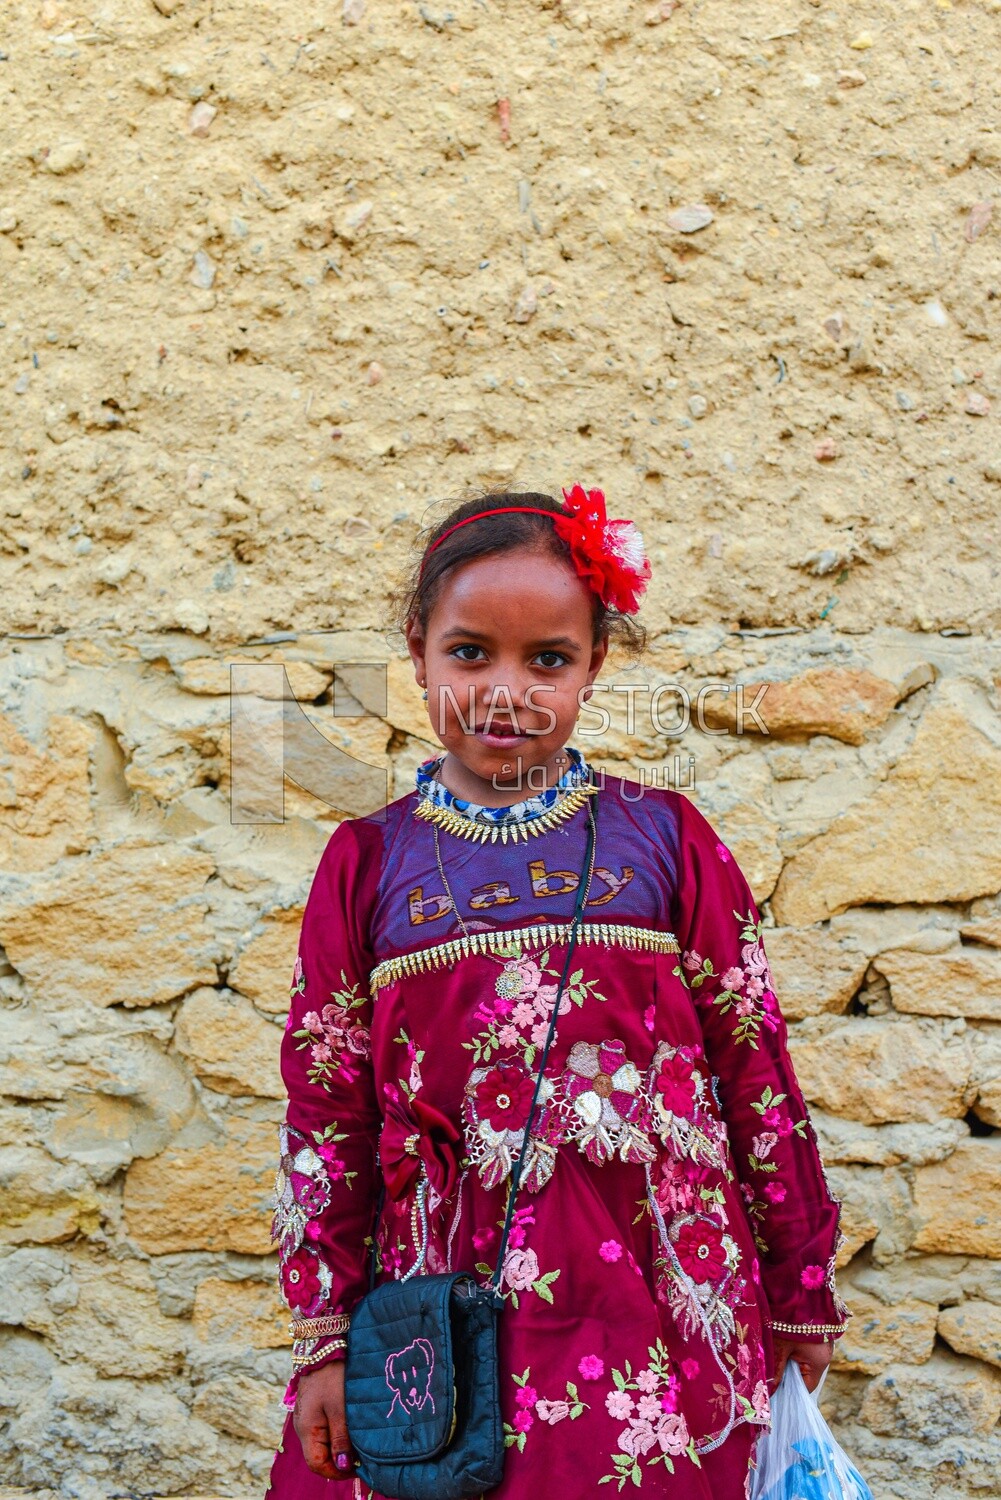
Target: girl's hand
{"type": "Point", "coordinates": [812, 1359]}
{"type": "Point", "coordinates": [320, 1422]}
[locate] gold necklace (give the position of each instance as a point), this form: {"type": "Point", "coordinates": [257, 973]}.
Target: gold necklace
{"type": "Point", "coordinates": [465, 827]}
{"type": "Point", "coordinates": [448, 889]}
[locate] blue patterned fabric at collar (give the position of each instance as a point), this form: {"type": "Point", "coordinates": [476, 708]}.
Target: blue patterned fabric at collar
{"type": "Point", "coordinates": [431, 790]}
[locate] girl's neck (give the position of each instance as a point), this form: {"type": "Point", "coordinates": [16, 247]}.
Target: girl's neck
{"type": "Point", "coordinates": [501, 792]}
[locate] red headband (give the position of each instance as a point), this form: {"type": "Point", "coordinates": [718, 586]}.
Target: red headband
{"type": "Point", "coordinates": [608, 555]}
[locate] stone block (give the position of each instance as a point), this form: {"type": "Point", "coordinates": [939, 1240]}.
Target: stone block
{"type": "Point", "coordinates": [963, 981]}
{"type": "Point", "coordinates": [137, 1436]}
{"type": "Point", "coordinates": [36, 1288]}
{"type": "Point", "coordinates": [877, 929]}
{"type": "Point", "coordinates": [878, 1336]}
{"type": "Point", "coordinates": [876, 1209]}
{"type": "Point", "coordinates": [844, 1141]}
{"type": "Point", "coordinates": [113, 1092]}
{"type": "Point", "coordinates": [123, 926]}
{"type": "Point", "coordinates": [230, 1045]}
{"type": "Point", "coordinates": [985, 1045]}
{"type": "Point", "coordinates": [985, 929]}
{"type": "Point", "coordinates": [215, 1196]}
{"type": "Point", "coordinates": [883, 1070]}
{"type": "Point", "coordinates": [947, 1397]}
{"type": "Point", "coordinates": [211, 676]}
{"type": "Point", "coordinates": [846, 703]}
{"type": "Point", "coordinates": [116, 1325]}
{"type": "Point", "coordinates": [814, 971]}
{"type": "Point", "coordinates": [43, 1201]}
{"type": "Point", "coordinates": [262, 968]}
{"type": "Point", "coordinates": [243, 1408]}
{"type": "Point", "coordinates": [54, 784]}
{"type": "Point", "coordinates": [958, 1201]}
{"type": "Point", "coordinates": [973, 1328]}
{"type": "Point", "coordinates": [892, 846]}
{"type": "Point", "coordinates": [241, 1313]}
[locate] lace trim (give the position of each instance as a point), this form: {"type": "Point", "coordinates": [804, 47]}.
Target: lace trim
{"type": "Point", "coordinates": [499, 940]}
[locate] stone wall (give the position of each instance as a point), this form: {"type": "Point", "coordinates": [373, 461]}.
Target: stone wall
{"type": "Point", "coordinates": [274, 278]}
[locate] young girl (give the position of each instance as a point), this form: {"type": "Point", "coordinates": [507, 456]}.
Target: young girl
{"type": "Point", "coordinates": [674, 1235]}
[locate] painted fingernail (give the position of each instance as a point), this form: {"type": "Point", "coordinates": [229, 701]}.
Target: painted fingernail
{"type": "Point", "coordinates": [342, 1462]}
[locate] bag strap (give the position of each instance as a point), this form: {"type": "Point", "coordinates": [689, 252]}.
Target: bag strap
{"type": "Point", "coordinates": [516, 1171]}
{"type": "Point", "coordinates": [515, 1181]}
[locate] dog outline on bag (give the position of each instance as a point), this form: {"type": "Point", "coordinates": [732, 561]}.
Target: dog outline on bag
{"type": "Point", "coordinates": [408, 1375]}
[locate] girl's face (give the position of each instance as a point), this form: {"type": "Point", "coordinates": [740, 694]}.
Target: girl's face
{"type": "Point", "coordinates": [509, 647]}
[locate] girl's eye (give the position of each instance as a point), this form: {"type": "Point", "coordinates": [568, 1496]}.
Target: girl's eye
{"type": "Point", "coordinates": [459, 650]}
{"type": "Point", "coordinates": [552, 659]}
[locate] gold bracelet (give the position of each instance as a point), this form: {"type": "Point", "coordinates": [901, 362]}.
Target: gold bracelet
{"type": "Point", "coordinates": [824, 1328]}
{"type": "Point", "coordinates": [302, 1361]}
{"type": "Point", "coordinates": [312, 1328]}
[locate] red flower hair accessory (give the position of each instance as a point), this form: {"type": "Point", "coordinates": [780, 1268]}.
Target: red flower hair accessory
{"type": "Point", "coordinates": [608, 555]}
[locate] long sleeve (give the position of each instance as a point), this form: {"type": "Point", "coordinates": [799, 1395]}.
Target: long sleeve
{"type": "Point", "coordinates": [793, 1213]}
{"type": "Point", "coordinates": [325, 1187]}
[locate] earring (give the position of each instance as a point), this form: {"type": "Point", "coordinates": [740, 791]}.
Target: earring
{"type": "Point", "coordinates": [424, 695]}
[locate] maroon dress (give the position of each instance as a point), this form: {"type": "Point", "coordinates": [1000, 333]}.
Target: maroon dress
{"type": "Point", "coordinates": [674, 1209]}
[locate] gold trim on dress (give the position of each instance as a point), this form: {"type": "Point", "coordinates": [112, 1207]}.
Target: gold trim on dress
{"type": "Point", "coordinates": [465, 827]}
{"type": "Point", "coordinates": [496, 940]}
{"type": "Point", "coordinates": [817, 1328]}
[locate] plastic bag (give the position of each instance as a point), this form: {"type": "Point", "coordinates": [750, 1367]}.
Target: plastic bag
{"type": "Point", "coordinates": [799, 1458]}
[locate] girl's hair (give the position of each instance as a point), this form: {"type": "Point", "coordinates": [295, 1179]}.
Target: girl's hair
{"type": "Point", "coordinates": [493, 535]}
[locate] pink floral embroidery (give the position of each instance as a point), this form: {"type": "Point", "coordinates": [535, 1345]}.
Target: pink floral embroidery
{"type": "Point", "coordinates": [298, 986]}
{"type": "Point", "coordinates": [550, 1412]}
{"type": "Point", "coordinates": [518, 1018]}
{"type": "Point", "coordinates": [763, 1144]}
{"type": "Point", "coordinates": [812, 1277]}
{"type": "Point", "coordinates": [619, 1405]}
{"type": "Point", "coordinates": [591, 1367]}
{"type": "Point", "coordinates": [610, 1250]}
{"type": "Point", "coordinates": [521, 1269]}
{"type": "Point", "coordinates": [655, 1430]}
{"type": "Point", "coordinates": [336, 1040]}
{"type": "Point", "coordinates": [724, 853]}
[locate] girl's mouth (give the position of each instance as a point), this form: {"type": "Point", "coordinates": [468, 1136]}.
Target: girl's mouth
{"type": "Point", "coordinates": [500, 739]}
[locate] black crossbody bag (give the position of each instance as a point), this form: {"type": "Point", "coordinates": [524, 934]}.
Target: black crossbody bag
{"type": "Point", "coordinates": [422, 1386]}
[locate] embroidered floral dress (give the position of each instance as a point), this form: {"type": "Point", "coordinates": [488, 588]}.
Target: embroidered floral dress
{"type": "Point", "coordinates": [674, 1209]}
